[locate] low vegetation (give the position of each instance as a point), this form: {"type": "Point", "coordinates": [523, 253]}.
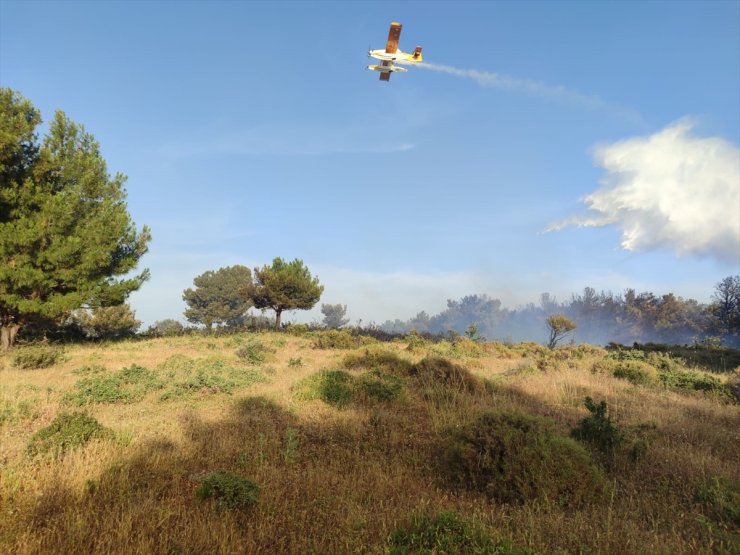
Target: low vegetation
{"type": "Point", "coordinates": [191, 444]}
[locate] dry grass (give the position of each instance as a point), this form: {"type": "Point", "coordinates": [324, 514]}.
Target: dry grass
{"type": "Point", "coordinates": [341, 480]}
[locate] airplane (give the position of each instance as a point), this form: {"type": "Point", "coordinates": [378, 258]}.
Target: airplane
{"type": "Point", "coordinates": [392, 54]}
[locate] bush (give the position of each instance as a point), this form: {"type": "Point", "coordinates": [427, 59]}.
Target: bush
{"type": "Point", "coordinates": [438, 370]}
{"type": "Point", "coordinates": [636, 372]}
{"type": "Point", "coordinates": [166, 328]}
{"type": "Point", "coordinates": [516, 457]}
{"type": "Point", "coordinates": [340, 339]}
{"type": "Point", "coordinates": [67, 431]}
{"type": "Point", "coordinates": [446, 533]}
{"type": "Point", "coordinates": [720, 500]}
{"type": "Point", "coordinates": [34, 357]}
{"type": "Point", "coordinates": [597, 429]}
{"type": "Point", "coordinates": [380, 360]}
{"type": "Point", "coordinates": [299, 330]}
{"type": "Point", "coordinates": [107, 322]}
{"type": "Point", "coordinates": [254, 352]}
{"type": "Point", "coordinates": [128, 385]}
{"type": "Point", "coordinates": [339, 388]}
{"type": "Point", "coordinates": [228, 490]}
{"type": "Point", "coordinates": [692, 380]}
{"type": "Point", "coordinates": [379, 386]}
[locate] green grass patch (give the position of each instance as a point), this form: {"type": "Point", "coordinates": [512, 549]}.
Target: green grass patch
{"type": "Point", "coordinates": [128, 385]}
{"type": "Point", "coordinates": [228, 490]}
{"type": "Point", "coordinates": [208, 376]}
{"type": "Point", "coordinates": [339, 388]}
{"type": "Point", "coordinates": [67, 431]}
{"type": "Point", "coordinates": [255, 352]}
{"type": "Point", "coordinates": [447, 533]}
{"type": "Point", "coordinates": [14, 412]}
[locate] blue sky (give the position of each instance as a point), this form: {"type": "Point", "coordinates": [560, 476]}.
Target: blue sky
{"type": "Point", "coordinates": [549, 146]}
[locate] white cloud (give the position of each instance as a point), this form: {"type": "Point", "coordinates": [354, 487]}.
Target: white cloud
{"type": "Point", "coordinates": [669, 190]}
{"type": "Point", "coordinates": [537, 89]}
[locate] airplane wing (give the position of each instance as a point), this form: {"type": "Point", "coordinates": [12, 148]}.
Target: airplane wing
{"type": "Point", "coordinates": [385, 76]}
{"type": "Point", "coordinates": [393, 35]}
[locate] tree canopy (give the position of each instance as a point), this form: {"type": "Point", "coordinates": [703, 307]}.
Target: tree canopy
{"type": "Point", "coordinates": [216, 298]}
{"type": "Point", "coordinates": [65, 233]}
{"type": "Point", "coordinates": [284, 286]}
{"type": "Point", "coordinates": [334, 315]}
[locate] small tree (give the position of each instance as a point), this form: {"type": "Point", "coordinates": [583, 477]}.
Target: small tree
{"type": "Point", "coordinates": [168, 326]}
{"type": "Point", "coordinates": [216, 298]}
{"type": "Point", "coordinates": [107, 322]}
{"type": "Point", "coordinates": [334, 315]}
{"type": "Point", "coordinates": [283, 286]}
{"type": "Point", "coordinates": [560, 326]}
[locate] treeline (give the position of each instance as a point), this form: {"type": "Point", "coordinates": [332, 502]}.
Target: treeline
{"type": "Point", "coordinates": [601, 317]}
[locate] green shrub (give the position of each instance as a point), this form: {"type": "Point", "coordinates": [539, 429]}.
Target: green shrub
{"type": "Point", "coordinates": [437, 370]}
{"type": "Point", "coordinates": [447, 534]}
{"type": "Point", "coordinates": [636, 372]}
{"type": "Point", "coordinates": [340, 339]}
{"type": "Point", "coordinates": [208, 376]}
{"type": "Point", "coordinates": [299, 330]}
{"type": "Point", "coordinates": [228, 490]}
{"type": "Point", "coordinates": [597, 430]}
{"type": "Point", "coordinates": [89, 370]}
{"type": "Point", "coordinates": [379, 386]}
{"type": "Point", "coordinates": [416, 342]}
{"type": "Point", "coordinates": [128, 385]}
{"type": "Point", "coordinates": [516, 457]}
{"type": "Point", "coordinates": [34, 357]}
{"type": "Point", "coordinates": [720, 500]}
{"type": "Point", "coordinates": [254, 352]}
{"type": "Point", "coordinates": [379, 360]}
{"type": "Point", "coordinates": [692, 380]}
{"type": "Point", "coordinates": [11, 413]}
{"type": "Point", "coordinates": [295, 362]}
{"type": "Point", "coordinates": [460, 347]}
{"type": "Point", "coordinates": [67, 431]}
{"type": "Point", "coordinates": [339, 388]}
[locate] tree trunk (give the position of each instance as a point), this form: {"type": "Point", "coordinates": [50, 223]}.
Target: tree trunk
{"type": "Point", "coordinates": [277, 319]}
{"type": "Point", "coordinates": [7, 335]}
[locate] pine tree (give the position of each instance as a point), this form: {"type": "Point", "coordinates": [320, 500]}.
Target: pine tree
{"type": "Point", "coordinates": [65, 232]}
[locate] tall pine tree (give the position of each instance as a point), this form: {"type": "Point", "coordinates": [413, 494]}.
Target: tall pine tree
{"type": "Point", "coordinates": [65, 233]}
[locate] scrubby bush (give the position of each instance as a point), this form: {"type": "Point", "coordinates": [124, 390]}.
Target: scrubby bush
{"type": "Point", "coordinates": [720, 500]}
{"type": "Point", "coordinates": [67, 431]}
{"type": "Point", "coordinates": [34, 357]}
{"type": "Point", "coordinates": [107, 322]}
{"type": "Point", "coordinates": [516, 457]}
{"type": "Point", "coordinates": [416, 342]}
{"type": "Point", "coordinates": [379, 386]}
{"type": "Point", "coordinates": [254, 352]}
{"type": "Point", "coordinates": [597, 429]}
{"type": "Point", "coordinates": [166, 328]}
{"type": "Point", "coordinates": [447, 534]}
{"type": "Point", "coordinates": [299, 330]}
{"type": "Point", "coordinates": [692, 380]}
{"type": "Point", "coordinates": [438, 370]}
{"type": "Point", "coordinates": [339, 388]}
{"type": "Point", "coordinates": [128, 385]}
{"type": "Point", "coordinates": [636, 372]}
{"type": "Point", "coordinates": [378, 359]}
{"type": "Point", "coordinates": [340, 339]}
{"type": "Point", "coordinates": [228, 490]}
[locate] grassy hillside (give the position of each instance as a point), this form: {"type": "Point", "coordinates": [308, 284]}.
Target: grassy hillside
{"type": "Point", "coordinates": [322, 442]}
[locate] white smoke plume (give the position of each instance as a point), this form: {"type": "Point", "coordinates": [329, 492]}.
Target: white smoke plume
{"type": "Point", "coordinates": [537, 89]}
{"type": "Point", "coordinates": [669, 190]}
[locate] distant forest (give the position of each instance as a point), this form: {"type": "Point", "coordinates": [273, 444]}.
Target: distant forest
{"type": "Point", "coordinates": [601, 317]}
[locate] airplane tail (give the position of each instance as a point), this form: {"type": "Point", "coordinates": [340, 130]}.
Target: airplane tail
{"type": "Point", "coordinates": [416, 56]}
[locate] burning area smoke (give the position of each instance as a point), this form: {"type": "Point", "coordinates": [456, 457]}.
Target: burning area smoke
{"type": "Point", "coordinates": [669, 190]}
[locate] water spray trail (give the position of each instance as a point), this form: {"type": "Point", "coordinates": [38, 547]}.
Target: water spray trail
{"type": "Point", "coordinates": [536, 89]}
